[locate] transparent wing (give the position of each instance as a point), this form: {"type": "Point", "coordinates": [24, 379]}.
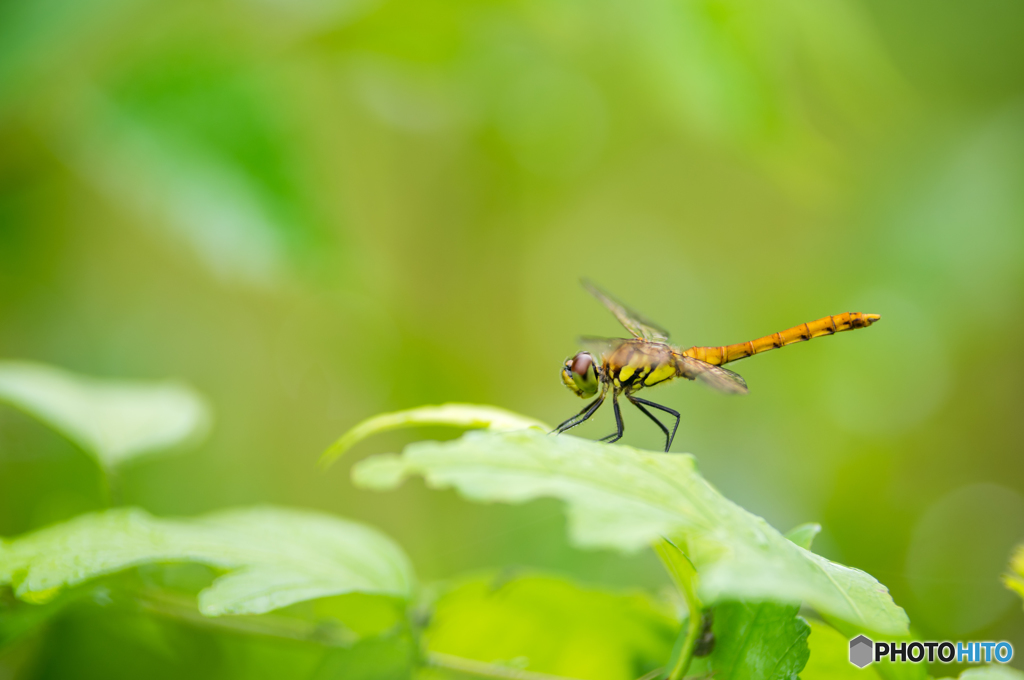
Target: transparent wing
{"type": "Point", "coordinates": [721, 379]}
{"type": "Point", "coordinates": [599, 346]}
{"type": "Point", "coordinates": [633, 322]}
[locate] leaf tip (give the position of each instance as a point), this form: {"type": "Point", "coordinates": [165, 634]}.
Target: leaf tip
{"type": "Point", "coordinates": [804, 534]}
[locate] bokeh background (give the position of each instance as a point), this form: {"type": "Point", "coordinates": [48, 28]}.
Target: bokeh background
{"type": "Point", "coordinates": [318, 210]}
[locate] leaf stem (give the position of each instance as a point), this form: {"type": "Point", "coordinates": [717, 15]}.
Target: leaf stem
{"type": "Point", "coordinates": [108, 487]}
{"type": "Point", "coordinates": [684, 575]}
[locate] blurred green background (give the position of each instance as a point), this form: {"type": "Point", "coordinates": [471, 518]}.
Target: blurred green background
{"type": "Point", "coordinates": [318, 210]}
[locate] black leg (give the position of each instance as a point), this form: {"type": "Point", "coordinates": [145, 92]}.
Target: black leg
{"type": "Point", "coordinates": [675, 414]}
{"type": "Point", "coordinates": [587, 411]}
{"type": "Point", "coordinates": [617, 435]}
{"type": "Point", "coordinates": [567, 423]}
{"type": "Point", "coordinates": [650, 415]}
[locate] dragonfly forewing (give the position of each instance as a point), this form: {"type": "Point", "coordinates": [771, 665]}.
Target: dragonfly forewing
{"type": "Point", "coordinates": [630, 319]}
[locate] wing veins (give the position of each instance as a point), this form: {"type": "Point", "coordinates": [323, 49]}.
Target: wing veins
{"type": "Point", "coordinates": [639, 326]}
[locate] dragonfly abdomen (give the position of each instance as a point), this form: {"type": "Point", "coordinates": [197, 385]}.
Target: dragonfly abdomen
{"type": "Point", "coordinates": [828, 325]}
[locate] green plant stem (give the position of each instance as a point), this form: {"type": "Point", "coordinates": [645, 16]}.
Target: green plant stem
{"type": "Point", "coordinates": [109, 487]}
{"type": "Point", "coordinates": [685, 577]}
{"type": "Point", "coordinates": [269, 625]}
{"type": "Point", "coordinates": [485, 670]}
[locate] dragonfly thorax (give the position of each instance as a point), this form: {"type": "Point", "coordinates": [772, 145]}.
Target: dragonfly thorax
{"type": "Point", "coordinates": [580, 375]}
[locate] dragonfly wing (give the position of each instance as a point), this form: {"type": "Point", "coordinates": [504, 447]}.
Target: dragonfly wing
{"type": "Point", "coordinates": [601, 347]}
{"type": "Point", "coordinates": [633, 322]}
{"type": "Point", "coordinates": [721, 379]}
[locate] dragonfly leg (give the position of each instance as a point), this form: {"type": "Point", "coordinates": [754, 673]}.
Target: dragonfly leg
{"type": "Point", "coordinates": [672, 412]}
{"type": "Point", "coordinates": [650, 415]}
{"type": "Point", "coordinates": [583, 415]}
{"type": "Point", "coordinates": [617, 435]}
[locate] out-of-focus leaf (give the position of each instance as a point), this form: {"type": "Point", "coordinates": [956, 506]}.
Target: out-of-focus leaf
{"type": "Point", "coordinates": [455, 415]}
{"type": "Point", "coordinates": [386, 657]}
{"type": "Point", "coordinates": [173, 645]}
{"type": "Point", "coordinates": [113, 420]}
{"type": "Point", "coordinates": [548, 624]}
{"type": "Point", "coordinates": [273, 557]}
{"type": "Point", "coordinates": [1014, 580]}
{"type": "Point", "coordinates": [756, 641]}
{"type": "Point", "coordinates": [197, 142]}
{"type": "Point", "coordinates": [804, 534]}
{"type": "Point", "coordinates": [620, 497]}
{"type": "Point", "coordinates": [716, 68]}
{"type": "Point", "coordinates": [830, 656]}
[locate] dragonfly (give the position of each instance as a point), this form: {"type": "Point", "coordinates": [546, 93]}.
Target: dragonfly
{"type": "Point", "coordinates": [624, 366]}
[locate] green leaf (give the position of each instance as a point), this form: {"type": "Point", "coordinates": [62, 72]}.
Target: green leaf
{"type": "Point", "coordinates": [113, 420]}
{"type": "Point", "coordinates": [273, 557]}
{"type": "Point", "coordinates": [830, 656]}
{"type": "Point", "coordinates": [547, 624]}
{"type": "Point", "coordinates": [386, 657]}
{"type": "Point", "coordinates": [622, 498]}
{"type": "Point", "coordinates": [756, 641]}
{"type": "Point", "coordinates": [466, 416]}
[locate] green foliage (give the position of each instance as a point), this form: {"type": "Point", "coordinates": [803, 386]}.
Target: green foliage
{"type": "Point", "coordinates": [342, 587]}
{"type": "Point", "coordinates": [114, 421]}
{"type": "Point", "coordinates": [622, 498]}
{"type": "Point", "coordinates": [755, 641]}
{"type": "Point", "coordinates": [551, 625]}
{"type": "Point", "coordinates": [272, 557]}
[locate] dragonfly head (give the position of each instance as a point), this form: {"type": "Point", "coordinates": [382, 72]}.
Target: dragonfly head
{"type": "Point", "coordinates": [580, 375]}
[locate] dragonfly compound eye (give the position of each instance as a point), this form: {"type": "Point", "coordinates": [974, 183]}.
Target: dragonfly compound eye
{"type": "Point", "coordinates": [581, 363]}
{"type": "Point", "coordinates": [580, 375]}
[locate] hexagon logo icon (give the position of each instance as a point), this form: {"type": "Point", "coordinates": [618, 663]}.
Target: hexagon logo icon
{"type": "Point", "coordinates": [861, 651]}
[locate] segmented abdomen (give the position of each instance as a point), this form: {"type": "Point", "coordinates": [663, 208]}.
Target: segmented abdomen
{"type": "Point", "coordinates": [814, 329]}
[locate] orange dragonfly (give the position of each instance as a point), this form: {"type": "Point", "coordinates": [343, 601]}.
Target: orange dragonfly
{"type": "Point", "coordinates": [627, 365]}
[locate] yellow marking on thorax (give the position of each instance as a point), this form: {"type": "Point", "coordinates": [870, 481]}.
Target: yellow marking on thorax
{"type": "Point", "coordinates": [663, 372]}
